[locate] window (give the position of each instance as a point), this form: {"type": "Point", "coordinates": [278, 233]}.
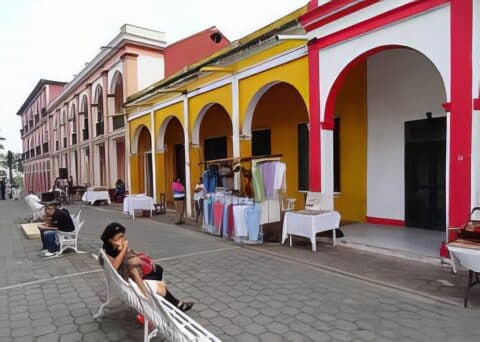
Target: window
{"type": "Point", "coordinates": [336, 155]}
{"type": "Point", "coordinates": [303, 156]}
{"type": "Point", "coordinates": [262, 142]}
{"type": "Point", "coordinates": [215, 148]}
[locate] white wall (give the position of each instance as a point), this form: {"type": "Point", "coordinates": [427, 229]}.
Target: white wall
{"type": "Point", "coordinates": [149, 70]}
{"type": "Point", "coordinates": [402, 85]}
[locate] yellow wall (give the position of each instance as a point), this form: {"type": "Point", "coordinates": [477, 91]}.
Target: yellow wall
{"type": "Point", "coordinates": [351, 108]}
{"type": "Point", "coordinates": [135, 124]}
{"type": "Point", "coordinates": [294, 73]}
{"type": "Point", "coordinates": [281, 109]}
{"type": "Point", "coordinates": [134, 173]}
{"type": "Point", "coordinates": [222, 96]}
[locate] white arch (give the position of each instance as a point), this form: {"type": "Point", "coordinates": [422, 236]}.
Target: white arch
{"type": "Point", "coordinates": [163, 131]}
{"type": "Point", "coordinates": [412, 33]}
{"type": "Point", "coordinates": [198, 122]}
{"type": "Point", "coordinates": [136, 138]}
{"type": "Point", "coordinates": [247, 121]}
{"type": "Point", "coordinates": [98, 91]}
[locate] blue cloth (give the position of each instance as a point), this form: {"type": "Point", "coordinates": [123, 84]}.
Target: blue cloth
{"type": "Point", "coordinates": [210, 178]}
{"type": "Point", "coordinates": [51, 241]}
{"type": "Point", "coordinates": [253, 216]}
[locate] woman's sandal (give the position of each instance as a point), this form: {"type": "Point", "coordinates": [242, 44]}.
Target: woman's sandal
{"type": "Point", "coordinates": [185, 306]}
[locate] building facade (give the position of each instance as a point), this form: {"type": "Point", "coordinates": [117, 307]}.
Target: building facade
{"type": "Point", "coordinates": [237, 103]}
{"type": "Point", "coordinates": [87, 118]}
{"type": "Point", "coordinates": [82, 126]}
{"type": "Point", "coordinates": [35, 135]}
{"type": "Point", "coordinates": [403, 149]}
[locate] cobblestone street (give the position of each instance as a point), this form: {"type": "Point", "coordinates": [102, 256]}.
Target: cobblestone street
{"type": "Point", "coordinates": [240, 294]}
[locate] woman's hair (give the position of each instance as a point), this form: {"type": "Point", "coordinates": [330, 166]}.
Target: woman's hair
{"type": "Point", "coordinates": [110, 231]}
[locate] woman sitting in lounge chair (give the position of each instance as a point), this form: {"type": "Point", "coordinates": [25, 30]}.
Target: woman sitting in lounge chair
{"type": "Point", "coordinates": [129, 264]}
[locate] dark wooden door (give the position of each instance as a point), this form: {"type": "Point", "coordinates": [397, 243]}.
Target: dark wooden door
{"type": "Point", "coordinates": [425, 160]}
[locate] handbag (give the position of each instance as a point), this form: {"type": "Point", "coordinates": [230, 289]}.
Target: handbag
{"type": "Point", "coordinates": [147, 266]}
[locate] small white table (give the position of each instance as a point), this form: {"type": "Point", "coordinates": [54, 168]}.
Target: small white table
{"type": "Point", "coordinates": [91, 197]}
{"type": "Point", "coordinates": [468, 258]}
{"type": "Point", "coordinates": [308, 224]}
{"type": "Point", "coordinates": [137, 202]}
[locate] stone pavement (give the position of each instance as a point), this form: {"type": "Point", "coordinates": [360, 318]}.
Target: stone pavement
{"type": "Point", "coordinates": [241, 294]}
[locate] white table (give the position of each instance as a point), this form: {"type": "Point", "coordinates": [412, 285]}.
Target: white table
{"type": "Point", "coordinates": [91, 197]}
{"type": "Point", "coordinates": [137, 202]}
{"type": "Point", "coordinates": [468, 258]}
{"type": "Point", "coordinates": [309, 224]}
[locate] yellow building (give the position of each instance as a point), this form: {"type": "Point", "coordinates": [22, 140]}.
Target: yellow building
{"type": "Point", "coordinates": [250, 98]}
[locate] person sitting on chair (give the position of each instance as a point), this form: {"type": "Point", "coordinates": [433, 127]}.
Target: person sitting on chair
{"type": "Point", "coordinates": [119, 192]}
{"type": "Point", "coordinates": [128, 265]}
{"type": "Point", "coordinates": [56, 219]}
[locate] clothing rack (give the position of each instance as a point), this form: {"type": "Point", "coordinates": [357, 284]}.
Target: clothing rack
{"type": "Point", "coordinates": [239, 160]}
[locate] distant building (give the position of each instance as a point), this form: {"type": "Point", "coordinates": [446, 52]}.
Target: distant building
{"type": "Point", "coordinates": [78, 128]}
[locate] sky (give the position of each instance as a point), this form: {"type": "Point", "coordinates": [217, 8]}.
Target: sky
{"type": "Point", "coordinates": [53, 39]}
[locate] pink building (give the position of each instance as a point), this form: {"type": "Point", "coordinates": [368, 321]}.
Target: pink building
{"type": "Point", "coordinates": [35, 134]}
{"type": "Point", "coordinates": [83, 122]}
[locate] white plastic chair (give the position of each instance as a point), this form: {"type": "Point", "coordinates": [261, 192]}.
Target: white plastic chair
{"type": "Point", "coordinates": [67, 240]}
{"type": "Point", "coordinates": [33, 202]}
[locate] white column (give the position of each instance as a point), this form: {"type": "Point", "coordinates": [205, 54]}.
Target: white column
{"type": "Point", "coordinates": [112, 146]}
{"type": "Point", "coordinates": [127, 156]}
{"type": "Point", "coordinates": [187, 157]}
{"type": "Point", "coordinates": [327, 166]}
{"type": "Point", "coordinates": [154, 168]}
{"type": "Point", "coordinates": [236, 127]}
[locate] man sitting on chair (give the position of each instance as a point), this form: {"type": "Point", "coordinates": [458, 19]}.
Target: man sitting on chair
{"type": "Point", "coordinates": [56, 219]}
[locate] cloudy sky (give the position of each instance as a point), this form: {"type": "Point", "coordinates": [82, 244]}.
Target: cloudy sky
{"type": "Point", "coordinates": [53, 39]}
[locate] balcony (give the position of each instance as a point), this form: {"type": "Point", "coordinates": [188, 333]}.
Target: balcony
{"type": "Point", "coordinates": [65, 142]}
{"type": "Point", "coordinates": [38, 150]}
{"type": "Point", "coordinates": [44, 111]}
{"type": "Point", "coordinates": [45, 147]}
{"type": "Point", "coordinates": [74, 138]}
{"type": "Point", "coordinates": [27, 155]}
{"type": "Point", "coordinates": [85, 134]}
{"type": "Point", "coordinates": [99, 127]}
{"type": "Point", "coordinates": [57, 145]}
{"type": "Point", "coordinates": [32, 153]}
{"type": "Point", "coordinates": [37, 119]}
{"type": "Point", "coordinates": [118, 122]}
{"type": "Point", "coordinates": [30, 123]}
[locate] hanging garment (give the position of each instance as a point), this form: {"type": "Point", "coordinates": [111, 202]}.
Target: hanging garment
{"type": "Point", "coordinates": [231, 222]}
{"type": "Point", "coordinates": [258, 188]}
{"type": "Point", "coordinates": [217, 216]}
{"type": "Point", "coordinates": [239, 219]}
{"type": "Point", "coordinates": [270, 211]}
{"type": "Point", "coordinates": [225, 221]}
{"type": "Point", "coordinates": [280, 177]}
{"type": "Point", "coordinates": [209, 178]}
{"type": "Point", "coordinates": [252, 218]}
{"type": "Point", "coordinates": [268, 176]}
{"type": "Point", "coordinates": [227, 177]}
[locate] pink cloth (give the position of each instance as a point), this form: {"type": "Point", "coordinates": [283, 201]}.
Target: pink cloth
{"type": "Point", "coordinates": [218, 216]}
{"type": "Point", "coordinates": [177, 187]}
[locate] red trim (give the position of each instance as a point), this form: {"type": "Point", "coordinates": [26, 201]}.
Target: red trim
{"type": "Point", "coordinates": [385, 221]}
{"type": "Point", "coordinates": [340, 14]}
{"type": "Point", "coordinates": [476, 104]}
{"type": "Point", "coordinates": [323, 10]}
{"type": "Point", "coordinates": [389, 17]}
{"type": "Point", "coordinates": [312, 4]}
{"type": "Point", "coordinates": [447, 106]}
{"type": "Point", "coordinates": [461, 13]}
{"type": "Point", "coordinates": [314, 134]}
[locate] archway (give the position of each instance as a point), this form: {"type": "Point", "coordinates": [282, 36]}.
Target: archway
{"type": "Point", "coordinates": [171, 156]}
{"type": "Point", "coordinates": [277, 122]}
{"type": "Point", "coordinates": [389, 156]}
{"type": "Point", "coordinates": [142, 148]}
{"type": "Point", "coordinates": [99, 111]}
